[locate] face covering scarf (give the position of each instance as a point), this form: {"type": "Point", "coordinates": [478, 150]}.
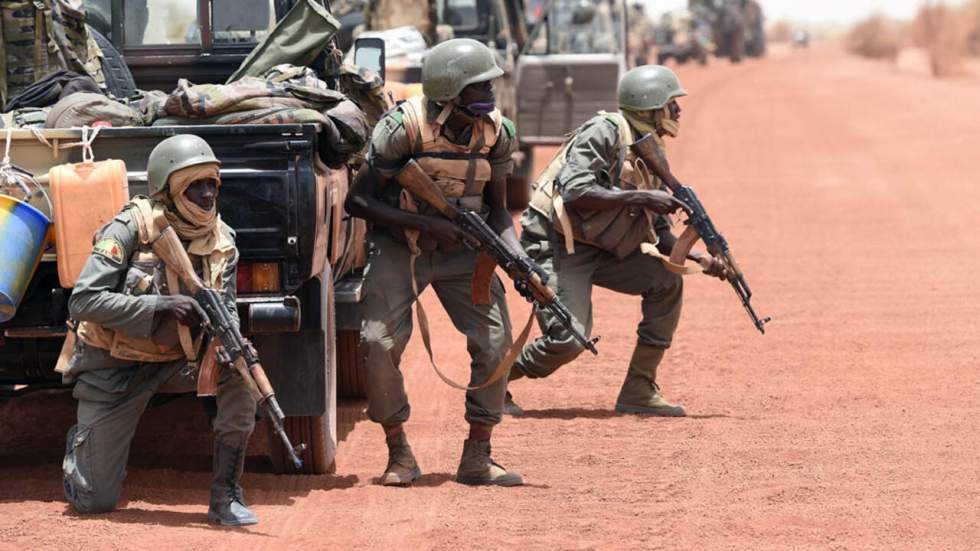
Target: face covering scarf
{"type": "Point", "coordinates": [647, 122]}
{"type": "Point", "coordinates": [480, 108]}
{"type": "Point", "coordinates": [202, 227]}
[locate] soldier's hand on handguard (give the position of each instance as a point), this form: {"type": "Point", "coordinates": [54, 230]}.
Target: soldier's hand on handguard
{"type": "Point", "coordinates": [713, 266]}
{"type": "Point", "coordinates": [184, 308]}
{"type": "Point", "coordinates": [523, 286]}
{"type": "Point", "coordinates": [449, 234]}
{"type": "Point", "coordinates": [661, 202]}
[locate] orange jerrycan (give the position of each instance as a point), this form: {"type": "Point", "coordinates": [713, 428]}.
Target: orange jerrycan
{"type": "Point", "coordinates": [85, 196]}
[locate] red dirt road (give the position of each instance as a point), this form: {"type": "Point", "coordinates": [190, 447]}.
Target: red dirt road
{"type": "Point", "coordinates": [848, 190]}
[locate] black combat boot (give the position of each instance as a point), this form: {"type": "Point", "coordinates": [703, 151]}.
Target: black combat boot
{"type": "Point", "coordinates": [227, 502]}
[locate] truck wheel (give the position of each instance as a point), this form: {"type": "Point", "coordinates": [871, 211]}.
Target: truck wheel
{"type": "Point", "coordinates": [318, 432]}
{"type": "Point", "coordinates": [318, 457]}
{"type": "Point", "coordinates": [352, 375]}
{"type": "Point", "coordinates": [118, 78]}
{"type": "Point", "coordinates": [737, 48]}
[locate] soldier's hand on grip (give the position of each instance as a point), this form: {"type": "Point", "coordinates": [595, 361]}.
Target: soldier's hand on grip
{"type": "Point", "coordinates": [449, 234]}
{"type": "Point", "coordinates": [536, 268]}
{"type": "Point", "coordinates": [662, 202]}
{"type": "Point", "coordinates": [523, 284]}
{"type": "Point", "coordinates": [184, 308]}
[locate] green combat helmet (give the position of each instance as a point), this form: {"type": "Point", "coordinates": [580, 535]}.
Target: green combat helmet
{"type": "Point", "coordinates": [453, 65]}
{"type": "Point", "coordinates": [648, 87]}
{"type": "Point", "coordinates": [173, 154]}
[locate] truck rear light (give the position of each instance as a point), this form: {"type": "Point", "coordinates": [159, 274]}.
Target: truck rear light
{"type": "Point", "coordinates": [258, 277]}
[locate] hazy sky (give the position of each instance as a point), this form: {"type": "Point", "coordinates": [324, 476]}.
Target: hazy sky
{"type": "Point", "coordinates": [823, 11]}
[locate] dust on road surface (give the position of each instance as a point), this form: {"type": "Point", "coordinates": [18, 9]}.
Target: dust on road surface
{"type": "Point", "coordinates": [848, 191]}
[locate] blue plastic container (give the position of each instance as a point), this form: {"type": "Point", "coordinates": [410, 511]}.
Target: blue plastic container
{"type": "Point", "coordinates": [23, 237]}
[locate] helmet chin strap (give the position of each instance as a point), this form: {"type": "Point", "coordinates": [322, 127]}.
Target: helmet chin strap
{"type": "Point", "coordinates": [447, 110]}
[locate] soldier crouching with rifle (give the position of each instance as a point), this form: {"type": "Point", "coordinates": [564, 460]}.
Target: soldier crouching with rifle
{"type": "Point", "coordinates": [597, 218]}
{"type": "Point", "coordinates": [138, 335]}
{"type": "Point", "coordinates": [460, 141]}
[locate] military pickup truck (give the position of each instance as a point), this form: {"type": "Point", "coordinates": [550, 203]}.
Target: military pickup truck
{"type": "Point", "coordinates": [561, 58]}
{"type": "Point", "coordinates": [296, 243]}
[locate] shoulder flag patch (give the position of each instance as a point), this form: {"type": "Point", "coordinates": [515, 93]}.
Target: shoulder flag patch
{"type": "Point", "coordinates": [111, 249]}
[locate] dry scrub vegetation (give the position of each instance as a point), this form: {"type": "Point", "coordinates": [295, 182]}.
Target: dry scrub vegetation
{"type": "Point", "coordinates": [946, 33]}
{"type": "Point", "coordinates": [876, 37]}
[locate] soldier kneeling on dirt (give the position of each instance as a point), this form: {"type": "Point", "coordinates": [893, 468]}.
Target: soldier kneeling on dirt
{"type": "Point", "coordinates": [137, 335]}
{"type": "Point", "coordinates": [594, 206]}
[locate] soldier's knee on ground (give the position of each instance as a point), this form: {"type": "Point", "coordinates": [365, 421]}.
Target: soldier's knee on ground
{"type": "Point", "coordinates": [86, 494]}
{"type": "Point", "coordinates": [91, 504]}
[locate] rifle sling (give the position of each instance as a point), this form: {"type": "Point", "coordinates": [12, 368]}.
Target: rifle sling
{"type": "Point", "coordinates": [149, 232]}
{"type": "Point", "coordinates": [480, 273]}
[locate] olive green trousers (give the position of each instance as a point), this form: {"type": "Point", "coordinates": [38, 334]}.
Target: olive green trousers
{"type": "Point", "coordinates": [387, 326]}
{"type": "Point", "coordinates": [572, 276]}
{"type": "Point", "coordinates": [110, 404]}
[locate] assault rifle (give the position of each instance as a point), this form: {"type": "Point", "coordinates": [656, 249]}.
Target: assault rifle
{"type": "Point", "coordinates": [235, 351]}
{"type": "Point", "coordinates": [524, 271]}
{"type": "Point", "coordinates": [699, 226]}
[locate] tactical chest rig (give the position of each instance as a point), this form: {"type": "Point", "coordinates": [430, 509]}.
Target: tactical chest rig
{"type": "Point", "coordinates": [619, 231]}
{"type": "Point", "coordinates": [146, 275]}
{"type": "Point", "coordinates": [460, 171]}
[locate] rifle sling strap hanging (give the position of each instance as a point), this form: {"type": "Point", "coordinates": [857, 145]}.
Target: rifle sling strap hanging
{"type": "Point", "coordinates": [503, 368]}
{"type": "Point", "coordinates": [149, 232]}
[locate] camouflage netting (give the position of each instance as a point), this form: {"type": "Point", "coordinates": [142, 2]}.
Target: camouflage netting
{"type": "Point", "coordinates": [285, 95]}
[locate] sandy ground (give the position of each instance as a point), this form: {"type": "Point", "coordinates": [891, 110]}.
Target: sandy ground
{"type": "Point", "coordinates": [848, 190]}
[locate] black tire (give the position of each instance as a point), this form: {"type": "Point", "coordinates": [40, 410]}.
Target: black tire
{"type": "Point", "coordinates": [736, 50]}
{"type": "Point", "coordinates": [319, 432]}
{"type": "Point", "coordinates": [97, 16]}
{"type": "Point", "coordinates": [351, 373]}
{"type": "Point", "coordinates": [118, 78]}
{"type": "Point", "coordinates": [318, 457]}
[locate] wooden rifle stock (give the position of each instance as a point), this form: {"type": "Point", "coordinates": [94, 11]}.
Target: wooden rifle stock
{"type": "Point", "coordinates": [245, 361]}
{"type": "Point", "coordinates": [167, 246]}
{"type": "Point", "coordinates": [419, 184]}
{"type": "Point", "coordinates": [698, 225]}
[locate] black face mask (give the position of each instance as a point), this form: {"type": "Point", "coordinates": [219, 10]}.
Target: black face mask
{"type": "Point", "coordinates": [480, 108]}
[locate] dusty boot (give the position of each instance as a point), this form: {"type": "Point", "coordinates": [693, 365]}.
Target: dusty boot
{"type": "Point", "coordinates": [402, 469]}
{"type": "Point", "coordinates": [510, 406]}
{"type": "Point", "coordinates": [640, 393]}
{"type": "Point", "coordinates": [227, 502]}
{"type": "Point", "coordinates": [477, 469]}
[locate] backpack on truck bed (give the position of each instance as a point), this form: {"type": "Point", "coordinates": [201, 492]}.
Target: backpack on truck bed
{"type": "Point", "coordinates": [39, 37]}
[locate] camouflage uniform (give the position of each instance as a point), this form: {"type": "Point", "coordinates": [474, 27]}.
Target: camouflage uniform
{"type": "Point", "coordinates": [591, 161]}
{"type": "Point", "coordinates": [112, 393]}
{"type": "Point", "coordinates": [388, 299]}
{"type": "Point", "coordinates": [40, 37]}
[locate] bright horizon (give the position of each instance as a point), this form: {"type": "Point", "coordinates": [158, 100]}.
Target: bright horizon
{"type": "Point", "coordinates": [813, 11]}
